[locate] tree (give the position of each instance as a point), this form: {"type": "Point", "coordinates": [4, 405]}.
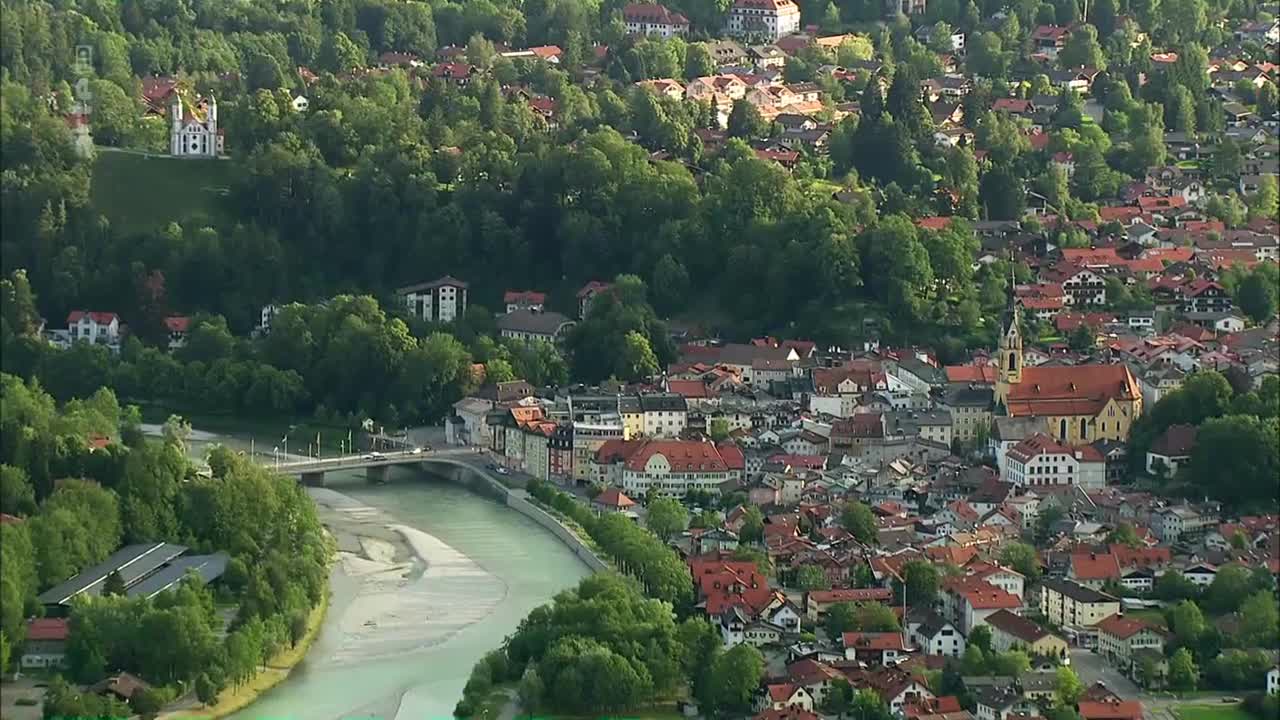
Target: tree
{"type": "Point", "coordinates": [1183, 673]}
{"type": "Point", "coordinates": [920, 583]}
{"type": "Point", "coordinates": [698, 61]}
{"type": "Point", "coordinates": [859, 521]}
{"type": "Point", "coordinates": [875, 617]}
{"type": "Point", "coordinates": [1237, 460]}
{"type": "Point", "coordinates": [718, 429]}
{"type": "Point", "coordinates": [867, 705]}
{"type": "Point", "coordinates": [1083, 338]}
{"type": "Point", "coordinates": [113, 585]}
{"type": "Point", "coordinates": [1082, 49]}
{"type": "Point", "coordinates": [812, 577]}
{"type": "Point", "coordinates": [735, 675]}
{"type": "Point", "coordinates": [1124, 534]}
{"type": "Point", "coordinates": [666, 517]}
{"type": "Point", "coordinates": [745, 121]}
{"type": "Point", "coordinates": [1021, 557]}
{"type": "Point", "coordinates": [1230, 586]}
{"type": "Point", "coordinates": [980, 638]}
{"type": "Point", "coordinates": [752, 529]}
{"type": "Point", "coordinates": [637, 361]}
{"type": "Point", "coordinates": [338, 54]}
{"type": "Point", "coordinates": [1172, 587]}
{"type": "Point", "coordinates": [1067, 687]}
{"type": "Point", "coordinates": [1256, 294]}
{"type": "Point", "coordinates": [17, 496]}
{"type": "Point", "coordinates": [1259, 620]}
{"type": "Point", "coordinates": [841, 617]}
{"type": "Point", "coordinates": [1180, 110]}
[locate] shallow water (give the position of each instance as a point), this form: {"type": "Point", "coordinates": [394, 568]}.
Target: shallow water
{"type": "Point", "coordinates": [404, 649]}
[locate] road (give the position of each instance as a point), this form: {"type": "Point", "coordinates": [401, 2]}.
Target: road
{"type": "Point", "coordinates": [1091, 668]}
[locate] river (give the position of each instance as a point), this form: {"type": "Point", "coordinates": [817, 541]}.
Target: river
{"type": "Point", "coordinates": [401, 634]}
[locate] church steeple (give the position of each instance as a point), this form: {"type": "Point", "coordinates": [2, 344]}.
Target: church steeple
{"type": "Point", "coordinates": [1009, 353]}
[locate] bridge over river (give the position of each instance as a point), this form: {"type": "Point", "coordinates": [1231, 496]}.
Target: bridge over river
{"type": "Point", "coordinates": [311, 471]}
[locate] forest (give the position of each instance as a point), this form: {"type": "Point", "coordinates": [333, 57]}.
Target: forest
{"type": "Point", "coordinates": [393, 176]}
{"type": "Point", "coordinates": [84, 480]}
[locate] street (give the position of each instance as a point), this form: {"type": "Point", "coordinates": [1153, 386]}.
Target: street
{"type": "Point", "coordinates": [1091, 668]}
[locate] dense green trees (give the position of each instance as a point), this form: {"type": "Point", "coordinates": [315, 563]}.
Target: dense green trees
{"type": "Point", "coordinates": [600, 647]}
{"type": "Point", "coordinates": [1238, 439]}
{"type": "Point", "coordinates": [148, 491]}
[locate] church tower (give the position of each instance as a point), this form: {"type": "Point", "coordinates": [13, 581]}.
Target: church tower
{"type": "Point", "coordinates": [1009, 353]}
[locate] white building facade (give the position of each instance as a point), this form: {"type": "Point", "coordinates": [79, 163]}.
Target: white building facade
{"type": "Point", "coordinates": [766, 19]}
{"type": "Point", "coordinates": [191, 136]}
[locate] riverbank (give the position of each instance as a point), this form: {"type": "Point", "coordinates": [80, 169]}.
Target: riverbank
{"type": "Point", "coordinates": [273, 673]}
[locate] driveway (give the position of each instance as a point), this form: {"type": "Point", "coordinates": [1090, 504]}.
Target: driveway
{"type": "Point", "coordinates": [23, 689]}
{"type": "Point", "coordinates": [1091, 669]}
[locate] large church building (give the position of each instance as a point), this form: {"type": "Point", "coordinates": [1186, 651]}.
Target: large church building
{"type": "Point", "coordinates": [191, 135]}
{"type": "Point", "coordinates": [1081, 404]}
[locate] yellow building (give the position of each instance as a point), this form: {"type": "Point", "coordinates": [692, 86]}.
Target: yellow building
{"type": "Point", "coordinates": [1069, 605]}
{"type": "Point", "coordinates": [1081, 404]}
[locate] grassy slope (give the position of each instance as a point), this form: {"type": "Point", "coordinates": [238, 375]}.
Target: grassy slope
{"type": "Point", "coordinates": [139, 193]}
{"type": "Point", "coordinates": [1212, 712]}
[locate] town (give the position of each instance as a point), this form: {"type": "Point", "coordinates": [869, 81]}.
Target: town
{"type": "Point", "coordinates": [881, 359]}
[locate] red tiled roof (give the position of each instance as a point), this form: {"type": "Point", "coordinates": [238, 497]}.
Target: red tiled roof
{"type": "Point", "coordinates": [652, 13]}
{"type": "Point", "coordinates": [872, 641]}
{"type": "Point", "coordinates": [1110, 710]}
{"type": "Point", "coordinates": [177, 323]}
{"type": "Point", "coordinates": [1122, 626]}
{"type": "Point", "coordinates": [52, 629]}
{"type": "Point", "coordinates": [683, 456]}
{"type": "Point", "coordinates": [984, 374]}
{"type": "Point", "coordinates": [592, 288]}
{"type": "Point", "coordinates": [1094, 566]}
{"type": "Point", "coordinates": [101, 318]}
{"type": "Point", "coordinates": [851, 595]}
{"type": "Point", "coordinates": [531, 297]}
{"type": "Point", "coordinates": [1072, 390]}
{"type": "Point", "coordinates": [614, 498]}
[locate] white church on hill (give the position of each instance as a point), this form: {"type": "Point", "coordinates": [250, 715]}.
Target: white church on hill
{"type": "Point", "coordinates": [191, 136]}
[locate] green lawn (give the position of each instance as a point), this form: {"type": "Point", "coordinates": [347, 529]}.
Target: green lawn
{"type": "Point", "coordinates": [1155, 617]}
{"type": "Point", "coordinates": [139, 193]}
{"type": "Point", "coordinates": [1221, 711]}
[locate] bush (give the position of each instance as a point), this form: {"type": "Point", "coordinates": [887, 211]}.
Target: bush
{"type": "Point", "coordinates": [464, 709]}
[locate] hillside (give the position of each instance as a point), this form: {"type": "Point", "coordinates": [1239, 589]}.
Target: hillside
{"type": "Point", "coordinates": [140, 192]}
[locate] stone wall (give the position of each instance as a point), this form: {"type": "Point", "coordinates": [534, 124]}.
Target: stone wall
{"type": "Point", "coordinates": [547, 520]}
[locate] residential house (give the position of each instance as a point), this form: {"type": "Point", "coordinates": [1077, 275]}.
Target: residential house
{"type": "Point", "coordinates": [1172, 523]}
{"type": "Point", "coordinates": [524, 300]}
{"type": "Point", "coordinates": [100, 328]}
{"type": "Point", "coordinates": [1121, 637]}
{"type": "Point", "coordinates": [970, 407]}
{"type": "Point", "coordinates": [766, 19]}
{"type": "Point", "coordinates": [588, 293]}
{"type": "Point", "coordinates": [783, 696]}
{"type": "Point", "coordinates": [46, 644]}
{"type": "Point", "coordinates": [673, 467]}
{"type": "Point", "coordinates": [933, 634]}
{"type": "Point", "coordinates": [1171, 450]}
{"type": "Point", "coordinates": [817, 602]}
{"type": "Point", "coordinates": [531, 325]}
{"type": "Point", "coordinates": [1010, 632]}
{"type": "Point", "coordinates": [877, 648]}
{"type": "Point", "coordinates": [1110, 709]}
{"type": "Point", "coordinates": [653, 19]}
{"type": "Point", "coordinates": [1039, 460]}
{"type": "Point", "coordinates": [177, 327]}
{"type": "Point", "coordinates": [1075, 608]}
{"type": "Point", "coordinates": [443, 300]}
{"type": "Point", "coordinates": [612, 500]}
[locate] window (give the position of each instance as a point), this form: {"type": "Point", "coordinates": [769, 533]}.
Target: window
{"type": "Point", "coordinates": [1062, 429]}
